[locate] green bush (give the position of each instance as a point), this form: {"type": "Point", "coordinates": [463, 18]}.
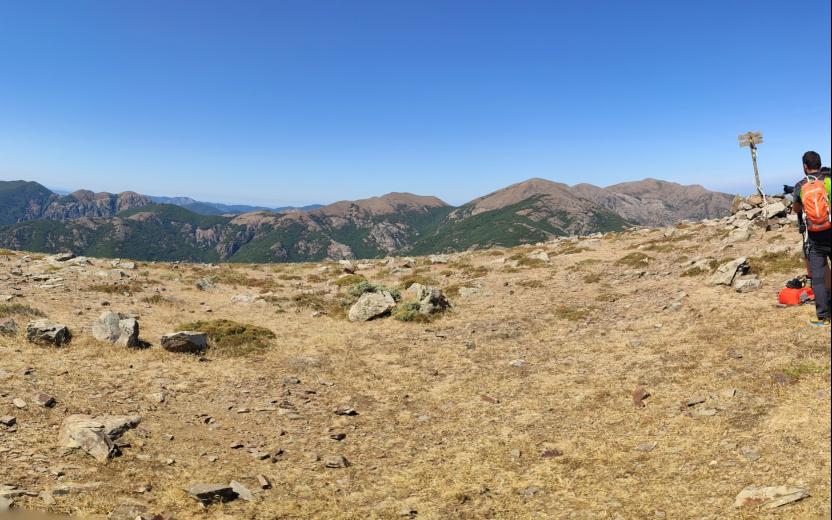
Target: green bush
{"type": "Point", "coordinates": [230, 338]}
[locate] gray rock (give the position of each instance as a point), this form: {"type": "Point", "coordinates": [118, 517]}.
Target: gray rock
{"type": "Point", "coordinates": [19, 403]}
{"type": "Point", "coordinates": [747, 284]}
{"type": "Point", "coordinates": [742, 234]}
{"type": "Point", "coordinates": [45, 332]}
{"type": "Point", "coordinates": [439, 259]}
{"type": "Point", "coordinates": [726, 272]}
{"type": "Point", "coordinates": [117, 329]}
{"type": "Point", "coordinates": [242, 491]}
{"type": "Point", "coordinates": [646, 447]}
{"type": "Point", "coordinates": [371, 305]}
{"type": "Point", "coordinates": [336, 461]}
{"type": "Point", "coordinates": [8, 327]}
{"type": "Point", "coordinates": [776, 209]}
{"type": "Point", "coordinates": [7, 420]}
{"type": "Point", "coordinates": [434, 301]}
{"type": "Point", "coordinates": [205, 284]}
{"type": "Point", "coordinates": [416, 291]}
{"type": "Point", "coordinates": [210, 493]}
{"type": "Point", "coordinates": [769, 497]}
{"type": "Point", "coordinates": [127, 512]}
{"type": "Point", "coordinates": [185, 341]}
{"type": "Point", "coordinates": [95, 435]}
{"type": "Point", "coordinates": [61, 257]}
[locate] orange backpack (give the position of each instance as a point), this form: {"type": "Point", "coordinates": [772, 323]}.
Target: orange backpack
{"type": "Point", "coordinates": [815, 195]}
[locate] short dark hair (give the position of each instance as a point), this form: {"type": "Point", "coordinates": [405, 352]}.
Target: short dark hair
{"type": "Point", "coordinates": [812, 160]}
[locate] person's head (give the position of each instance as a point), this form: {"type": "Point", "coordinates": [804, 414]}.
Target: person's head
{"type": "Point", "coordinates": [811, 162]}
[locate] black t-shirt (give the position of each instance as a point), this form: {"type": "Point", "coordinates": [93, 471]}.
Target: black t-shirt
{"type": "Point", "coordinates": [818, 237]}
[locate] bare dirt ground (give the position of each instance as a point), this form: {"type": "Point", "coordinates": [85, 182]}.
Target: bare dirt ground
{"type": "Point", "coordinates": [515, 404]}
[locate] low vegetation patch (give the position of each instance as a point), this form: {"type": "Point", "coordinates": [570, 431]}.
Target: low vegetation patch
{"type": "Point", "coordinates": [230, 338]}
{"type": "Point", "coordinates": [363, 287]}
{"type": "Point", "coordinates": [768, 263]}
{"type": "Point", "coordinates": [234, 278]}
{"type": "Point", "coordinates": [19, 309]}
{"type": "Point", "coordinates": [634, 260]}
{"type": "Point", "coordinates": [155, 298]}
{"type": "Point", "coordinates": [407, 281]}
{"type": "Point", "coordinates": [566, 312]}
{"type": "Point", "coordinates": [803, 368]}
{"type": "Point", "coordinates": [693, 271]}
{"type": "Point", "coordinates": [409, 311]}
{"type": "Point", "coordinates": [349, 279]}
{"type": "Point", "coordinates": [592, 278]}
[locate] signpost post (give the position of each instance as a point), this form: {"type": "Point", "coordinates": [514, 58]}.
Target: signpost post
{"type": "Point", "coordinates": [751, 140]}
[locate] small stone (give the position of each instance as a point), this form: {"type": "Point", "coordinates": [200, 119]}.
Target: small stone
{"type": "Point", "coordinates": [734, 354]}
{"type": "Point", "coordinates": [517, 363]}
{"type": "Point", "coordinates": [706, 412]}
{"type": "Point", "coordinates": [646, 447]}
{"type": "Point", "coordinates": [695, 400]}
{"type": "Point", "coordinates": [45, 400]}
{"type": "Point", "coordinates": [338, 436]}
{"type": "Point", "coordinates": [749, 453]}
{"type": "Point", "coordinates": [263, 481]}
{"type": "Point", "coordinates": [7, 420]}
{"type": "Point", "coordinates": [336, 461]}
{"type": "Point", "coordinates": [128, 512]}
{"type": "Point", "coordinates": [19, 403]}
{"type": "Point", "coordinates": [345, 410]}
{"type": "Point", "coordinates": [635, 343]}
{"type": "Point", "coordinates": [639, 395]}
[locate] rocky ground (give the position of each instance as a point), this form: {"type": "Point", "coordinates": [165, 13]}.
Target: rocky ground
{"type": "Point", "coordinates": [631, 375]}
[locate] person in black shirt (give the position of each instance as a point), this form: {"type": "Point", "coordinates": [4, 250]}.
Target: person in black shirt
{"type": "Point", "coordinates": [819, 251]}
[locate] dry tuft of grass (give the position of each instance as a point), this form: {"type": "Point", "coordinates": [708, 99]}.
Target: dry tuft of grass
{"type": "Point", "coordinates": [19, 309]}
{"type": "Point", "coordinates": [409, 280]}
{"type": "Point", "coordinates": [769, 263]}
{"type": "Point", "coordinates": [592, 278]}
{"type": "Point", "coordinates": [530, 284]}
{"type": "Point", "coordinates": [130, 287]}
{"type": "Point", "coordinates": [576, 313]}
{"type": "Point", "coordinates": [634, 260]}
{"type": "Point", "coordinates": [230, 338]}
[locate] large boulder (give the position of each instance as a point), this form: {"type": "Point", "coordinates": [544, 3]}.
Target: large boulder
{"type": "Point", "coordinates": [45, 332]}
{"type": "Point", "coordinates": [371, 305]}
{"type": "Point", "coordinates": [95, 435]}
{"type": "Point", "coordinates": [115, 328]}
{"type": "Point", "coordinates": [775, 209]}
{"type": "Point", "coordinates": [185, 341]}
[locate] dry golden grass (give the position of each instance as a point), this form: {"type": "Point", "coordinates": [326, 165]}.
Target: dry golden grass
{"type": "Point", "coordinates": [448, 424]}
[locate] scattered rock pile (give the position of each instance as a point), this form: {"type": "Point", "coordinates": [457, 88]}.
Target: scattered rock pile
{"type": "Point", "coordinates": [748, 213]}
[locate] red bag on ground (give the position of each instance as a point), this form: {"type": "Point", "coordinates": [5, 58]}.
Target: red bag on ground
{"type": "Point", "coordinates": [795, 296]}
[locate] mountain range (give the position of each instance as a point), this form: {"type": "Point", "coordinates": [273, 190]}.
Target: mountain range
{"type": "Point", "coordinates": [130, 225]}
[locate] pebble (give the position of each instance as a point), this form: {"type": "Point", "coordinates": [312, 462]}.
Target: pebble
{"type": "Point", "coordinates": [19, 403]}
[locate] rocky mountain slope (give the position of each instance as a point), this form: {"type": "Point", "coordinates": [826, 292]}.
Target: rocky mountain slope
{"type": "Point", "coordinates": [638, 374]}
{"type": "Point", "coordinates": [130, 225]}
{"type": "Point", "coordinates": [26, 201]}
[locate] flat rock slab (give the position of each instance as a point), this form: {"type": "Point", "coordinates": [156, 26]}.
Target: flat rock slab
{"type": "Point", "coordinates": [769, 497]}
{"type": "Point", "coordinates": [185, 341]}
{"type": "Point", "coordinates": [95, 435]}
{"type": "Point", "coordinates": [210, 493]}
{"type": "Point", "coordinates": [371, 305]}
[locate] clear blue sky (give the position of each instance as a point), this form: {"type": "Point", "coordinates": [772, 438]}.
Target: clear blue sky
{"type": "Point", "coordinates": [292, 102]}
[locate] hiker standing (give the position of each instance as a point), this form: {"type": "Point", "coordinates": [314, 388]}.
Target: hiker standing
{"type": "Point", "coordinates": [813, 198]}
